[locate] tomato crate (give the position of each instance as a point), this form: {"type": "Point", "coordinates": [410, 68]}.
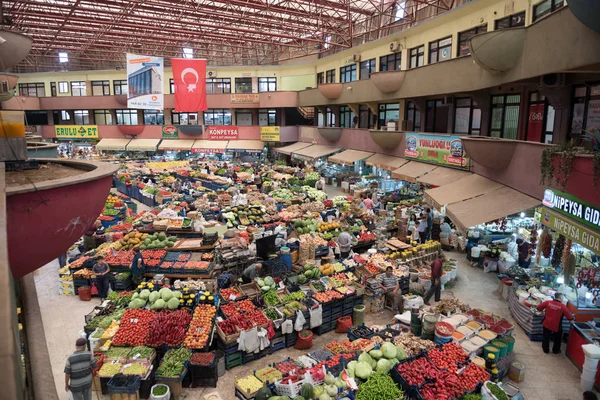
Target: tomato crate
{"type": "Point", "coordinates": [411, 392]}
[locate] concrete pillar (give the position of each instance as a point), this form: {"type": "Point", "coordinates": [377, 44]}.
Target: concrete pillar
{"type": "Point", "coordinates": [483, 99]}
{"type": "Point", "coordinates": [451, 114]}
{"type": "Point", "coordinates": [559, 98]}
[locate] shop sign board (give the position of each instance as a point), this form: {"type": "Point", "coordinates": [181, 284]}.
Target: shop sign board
{"type": "Point", "coordinates": [208, 151]}
{"type": "Point", "coordinates": [571, 229]}
{"type": "Point", "coordinates": [76, 131]}
{"type": "Point", "coordinates": [535, 122]}
{"type": "Point", "coordinates": [270, 133]}
{"type": "Point", "coordinates": [226, 132]}
{"type": "Point", "coordinates": [446, 150]}
{"type": "Point", "coordinates": [145, 81]}
{"type": "Point", "coordinates": [237, 98]}
{"type": "Point", "coordinates": [572, 207]}
{"type": "Point", "coordinates": [170, 132]}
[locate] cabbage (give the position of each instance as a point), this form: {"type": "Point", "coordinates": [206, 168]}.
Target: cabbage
{"type": "Point", "coordinates": [384, 365]}
{"type": "Point", "coordinates": [363, 369]}
{"type": "Point", "coordinates": [324, 396]}
{"type": "Point", "coordinates": [332, 390]}
{"type": "Point", "coordinates": [260, 282]}
{"type": "Point", "coordinates": [400, 353]}
{"type": "Point", "coordinates": [394, 361]}
{"type": "Point", "coordinates": [365, 357]}
{"type": "Point", "coordinates": [177, 294]}
{"type": "Point", "coordinates": [158, 304]}
{"type": "Point", "coordinates": [389, 350]}
{"type": "Point", "coordinates": [153, 297]}
{"type": "Point", "coordinates": [269, 281]}
{"type": "Point", "coordinates": [329, 379]}
{"type": "Point", "coordinates": [173, 303]}
{"type": "Point", "coordinates": [377, 354]}
{"type": "Point", "coordinates": [351, 365]}
{"type": "Point", "coordinates": [166, 295]}
{"type": "Point", "coordinates": [144, 294]}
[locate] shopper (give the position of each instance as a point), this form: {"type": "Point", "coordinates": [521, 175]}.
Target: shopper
{"type": "Point", "coordinates": [415, 236]}
{"type": "Point", "coordinates": [251, 272]}
{"type": "Point", "coordinates": [344, 240]}
{"type": "Point", "coordinates": [138, 267]}
{"type": "Point", "coordinates": [368, 203]}
{"type": "Point", "coordinates": [62, 259]}
{"type": "Point", "coordinates": [101, 270]}
{"type": "Point", "coordinates": [523, 248]}
{"type": "Point", "coordinates": [552, 323]}
{"type": "Point", "coordinates": [258, 181]}
{"type": "Point", "coordinates": [411, 224]}
{"type": "Point", "coordinates": [429, 216]}
{"type": "Point", "coordinates": [391, 289]}
{"type": "Point", "coordinates": [422, 228]}
{"type": "Point", "coordinates": [78, 371]}
{"type": "Point", "coordinates": [436, 279]}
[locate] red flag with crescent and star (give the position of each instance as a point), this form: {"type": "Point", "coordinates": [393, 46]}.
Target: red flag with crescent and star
{"type": "Point", "coordinates": [189, 76]}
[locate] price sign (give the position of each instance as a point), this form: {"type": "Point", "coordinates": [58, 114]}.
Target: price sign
{"type": "Point", "coordinates": [133, 320]}
{"type": "Point", "coordinates": [127, 365]}
{"type": "Point", "coordinates": [232, 297]}
{"type": "Point", "coordinates": [199, 329]}
{"type": "Point", "coordinates": [138, 355]}
{"type": "Point", "coordinates": [115, 361]}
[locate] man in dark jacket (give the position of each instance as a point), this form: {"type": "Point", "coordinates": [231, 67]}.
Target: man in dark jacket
{"type": "Point", "coordinates": [552, 324]}
{"type": "Point", "coordinates": [436, 279]}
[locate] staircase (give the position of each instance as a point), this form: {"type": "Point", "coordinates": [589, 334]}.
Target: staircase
{"type": "Point", "coordinates": [307, 112]}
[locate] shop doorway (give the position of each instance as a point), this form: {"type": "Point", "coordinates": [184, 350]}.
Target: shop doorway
{"type": "Point", "coordinates": [540, 119]}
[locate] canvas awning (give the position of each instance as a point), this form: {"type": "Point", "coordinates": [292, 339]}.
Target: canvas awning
{"type": "Point", "coordinates": [490, 206]}
{"type": "Point", "coordinates": [412, 170]}
{"type": "Point", "coordinates": [253, 146]}
{"type": "Point", "coordinates": [209, 146]}
{"type": "Point", "coordinates": [349, 157]}
{"type": "Point", "coordinates": [176, 144]}
{"type": "Point", "coordinates": [442, 176]}
{"type": "Point", "coordinates": [316, 151]}
{"type": "Point", "coordinates": [112, 144]}
{"type": "Point", "coordinates": [143, 144]}
{"type": "Point", "coordinates": [291, 148]}
{"type": "Point", "coordinates": [386, 162]}
{"type": "Point", "coordinates": [460, 190]}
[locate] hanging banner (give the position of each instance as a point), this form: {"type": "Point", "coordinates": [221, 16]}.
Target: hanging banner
{"type": "Point", "coordinates": [218, 132]}
{"type": "Point", "coordinates": [535, 124]}
{"type": "Point", "coordinates": [189, 77]}
{"type": "Point", "coordinates": [571, 229]}
{"type": "Point", "coordinates": [170, 132]}
{"type": "Point", "coordinates": [446, 150]}
{"type": "Point", "coordinates": [145, 81]}
{"type": "Point", "coordinates": [76, 131]}
{"type": "Point", "coordinates": [572, 207]}
{"type": "Point", "coordinates": [245, 98]}
{"type": "Point", "coordinates": [270, 133]}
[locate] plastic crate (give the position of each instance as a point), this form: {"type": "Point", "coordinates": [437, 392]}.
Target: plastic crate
{"type": "Point", "coordinates": [353, 333]}
{"type": "Point", "coordinates": [119, 384]}
{"type": "Point", "coordinates": [203, 376]}
{"type": "Point", "coordinates": [232, 364]}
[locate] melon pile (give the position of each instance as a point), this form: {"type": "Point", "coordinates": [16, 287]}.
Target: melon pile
{"type": "Point", "coordinates": [158, 241]}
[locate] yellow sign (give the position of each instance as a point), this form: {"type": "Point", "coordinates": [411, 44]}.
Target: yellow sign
{"type": "Point", "coordinates": [76, 131]}
{"type": "Point", "coordinates": [572, 229]}
{"type": "Point", "coordinates": [270, 133]}
{"type": "Point", "coordinates": [245, 98]}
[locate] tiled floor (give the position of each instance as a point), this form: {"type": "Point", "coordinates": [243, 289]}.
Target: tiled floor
{"type": "Point", "coordinates": [548, 377]}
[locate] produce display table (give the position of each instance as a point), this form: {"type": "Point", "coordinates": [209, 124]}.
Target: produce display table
{"type": "Point", "coordinates": [531, 323]}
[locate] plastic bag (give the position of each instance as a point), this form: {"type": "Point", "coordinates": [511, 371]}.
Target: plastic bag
{"type": "Point", "coordinates": [316, 316]}
{"type": "Point", "coordinates": [300, 320]}
{"type": "Point", "coordinates": [70, 395]}
{"type": "Point", "coordinates": [94, 289]}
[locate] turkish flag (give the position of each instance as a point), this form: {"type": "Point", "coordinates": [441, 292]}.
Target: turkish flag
{"type": "Point", "coordinates": [189, 76]}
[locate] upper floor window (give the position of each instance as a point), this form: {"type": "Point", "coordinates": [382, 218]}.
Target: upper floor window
{"type": "Point", "coordinates": [367, 68]}
{"type": "Point", "coordinates": [82, 117]}
{"type": "Point", "coordinates": [585, 112]}
{"type": "Point", "coordinates": [546, 7]}
{"type": "Point", "coordinates": [467, 116]}
{"type": "Point", "coordinates": [171, 85]}
{"type": "Point", "coordinates": [35, 117]}
{"type": "Point", "coordinates": [53, 89]}
{"type": "Point", "coordinates": [348, 73]}
{"type": "Point", "coordinates": [330, 76]}
{"type": "Point", "coordinates": [127, 117]}
{"type": "Point", "coordinates": [267, 117]}
{"type": "Point", "coordinates": [243, 85]}
{"type": "Point", "coordinates": [218, 85]}
{"type": "Point", "coordinates": [153, 117]}
{"type": "Point", "coordinates": [65, 115]}
{"type": "Point", "coordinates": [417, 56]}
{"type": "Point", "coordinates": [100, 88]}
{"type": "Point", "coordinates": [391, 62]}
{"type": "Point", "coordinates": [414, 116]}
{"type": "Point", "coordinates": [78, 88]}
{"type": "Point", "coordinates": [389, 112]}
{"type": "Point", "coordinates": [120, 87]}
{"type": "Point", "coordinates": [32, 89]}
{"type": "Point", "coordinates": [63, 87]}
{"type": "Point", "coordinates": [267, 84]}
{"type": "Point", "coordinates": [103, 117]}
{"type": "Point", "coordinates": [184, 118]}
{"type": "Point", "coordinates": [505, 116]}
{"type": "Point", "coordinates": [320, 78]}
{"type": "Point", "coordinates": [347, 117]}
{"type": "Point", "coordinates": [440, 50]}
{"type": "Point", "coordinates": [512, 21]}
{"type": "Point", "coordinates": [464, 37]}
{"type": "Point", "coordinates": [216, 116]}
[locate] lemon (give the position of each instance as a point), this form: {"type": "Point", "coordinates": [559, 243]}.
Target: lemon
{"type": "Point", "coordinates": [202, 298]}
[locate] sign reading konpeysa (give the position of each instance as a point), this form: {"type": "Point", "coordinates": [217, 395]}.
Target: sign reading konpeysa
{"type": "Point", "coordinates": [446, 150]}
{"type": "Point", "coordinates": [218, 132]}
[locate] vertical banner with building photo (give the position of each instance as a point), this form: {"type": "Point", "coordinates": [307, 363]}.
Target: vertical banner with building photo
{"type": "Point", "coordinates": [145, 82]}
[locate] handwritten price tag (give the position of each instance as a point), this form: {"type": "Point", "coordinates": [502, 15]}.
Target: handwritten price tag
{"type": "Point", "coordinates": [133, 320]}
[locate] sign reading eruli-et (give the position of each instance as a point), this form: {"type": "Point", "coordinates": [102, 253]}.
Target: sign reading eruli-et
{"type": "Point", "coordinates": [572, 207]}
{"type": "Point", "coordinates": [76, 131]}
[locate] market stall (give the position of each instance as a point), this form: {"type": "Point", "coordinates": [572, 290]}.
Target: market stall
{"type": "Point", "coordinates": [176, 144]}
{"type": "Point", "coordinates": [245, 146]}
{"type": "Point", "coordinates": [143, 145]}
{"type": "Point", "coordinates": [349, 157]}
{"type": "Point", "coordinates": [209, 146]}
{"type": "Point", "coordinates": [441, 176]}
{"type": "Point", "coordinates": [314, 153]}
{"type": "Point", "coordinates": [288, 150]}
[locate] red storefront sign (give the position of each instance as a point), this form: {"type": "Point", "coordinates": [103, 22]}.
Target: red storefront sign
{"type": "Point", "coordinates": [218, 132]}
{"type": "Point", "coordinates": [535, 123]}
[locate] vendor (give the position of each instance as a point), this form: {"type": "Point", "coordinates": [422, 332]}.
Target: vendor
{"type": "Point", "coordinates": [101, 270]}
{"type": "Point", "coordinates": [251, 272]}
{"type": "Point", "coordinates": [137, 267]}
{"type": "Point", "coordinates": [555, 310]}
{"type": "Point", "coordinates": [344, 240]}
{"type": "Point", "coordinates": [436, 279]}
{"type": "Point", "coordinates": [524, 253]}
{"type": "Point", "coordinates": [391, 288]}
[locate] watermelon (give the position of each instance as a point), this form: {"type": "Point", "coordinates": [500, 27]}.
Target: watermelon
{"type": "Point", "coordinates": [307, 391]}
{"type": "Point", "coordinates": [263, 394]}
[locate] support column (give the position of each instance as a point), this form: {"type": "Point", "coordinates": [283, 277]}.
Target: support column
{"type": "Point", "coordinates": [559, 98]}
{"type": "Point", "coordinates": [484, 102]}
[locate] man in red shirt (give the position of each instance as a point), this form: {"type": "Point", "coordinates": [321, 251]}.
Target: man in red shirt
{"type": "Point", "coordinates": [436, 279]}
{"type": "Point", "coordinates": [552, 324]}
